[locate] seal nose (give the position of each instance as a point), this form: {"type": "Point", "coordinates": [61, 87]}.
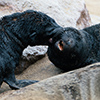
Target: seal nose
{"type": "Point", "coordinates": [65, 45]}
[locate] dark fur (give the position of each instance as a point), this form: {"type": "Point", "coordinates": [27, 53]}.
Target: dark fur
{"type": "Point", "coordinates": [17, 31]}
{"type": "Point", "coordinates": [80, 48]}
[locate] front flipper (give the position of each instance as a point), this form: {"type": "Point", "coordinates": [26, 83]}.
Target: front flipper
{"type": "Point", "coordinates": [23, 83]}
{"type": "Point", "coordinates": [16, 84]}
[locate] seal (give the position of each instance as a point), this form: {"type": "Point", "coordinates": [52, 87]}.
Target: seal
{"type": "Point", "coordinates": [17, 31]}
{"type": "Point", "coordinates": [72, 49]}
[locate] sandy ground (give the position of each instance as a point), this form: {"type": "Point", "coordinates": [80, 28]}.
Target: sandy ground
{"type": "Point", "coordinates": [93, 7]}
{"type": "Point", "coordinates": [40, 70]}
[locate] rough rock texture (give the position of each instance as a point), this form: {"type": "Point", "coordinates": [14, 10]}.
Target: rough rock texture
{"type": "Point", "coordinates": [65, 12]}
{"type": "Point", "coordinates": [30, 55]}
{"type": "Point", "coordinates": [81, 84]}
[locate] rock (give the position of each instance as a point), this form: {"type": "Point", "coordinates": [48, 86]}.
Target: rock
{"type": "Point", "coordinates": [95, 19]}
{"type": "Point", "coordinates": [93, 7]}
{"type": "Point", "coordinates": [36, 51]}
{"type": "Point", "coordinates": [30, 55]}
{"type": "Point", "coordinates": [66, 12]}
{"type": "Point", "coordinates": [80, 84]}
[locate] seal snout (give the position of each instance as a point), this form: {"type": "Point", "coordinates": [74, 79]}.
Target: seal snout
{"type": "Point", "coordinates": [61, 45]}
{"type": "Point", "coordinates": [68, 44]}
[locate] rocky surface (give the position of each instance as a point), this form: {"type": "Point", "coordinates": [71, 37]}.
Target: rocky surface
{"type": "Point", "coordinates": [30, 55]}
{"type": "Point", "coordinates": [81, 84]}
{"type": "Point", "coordinates": [66, 12]}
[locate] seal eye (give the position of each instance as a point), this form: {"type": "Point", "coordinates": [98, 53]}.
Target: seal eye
{"type": "Point", "coordinates": [61, 45]}
{"type": "Point", "coordinates": [70, 42]}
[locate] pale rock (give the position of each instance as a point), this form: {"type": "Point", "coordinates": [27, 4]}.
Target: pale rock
{"type": "Point", "coordinates": [95, 19]}
{"type": "Point", "coordinates": [36, 51]}
{"type": "Point", "coordinates": [30, 55]}
{"type": "Point", "coordinates": [66, 12]}
{"type": "Point", "coordinates": [93, 7]}
{"type": "Point", "coordinates": [80, 84]}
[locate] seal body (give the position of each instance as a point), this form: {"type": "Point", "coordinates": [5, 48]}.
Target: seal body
{"type": "Point", "coordinates": [17, 31]}
{"type": "Point", "coordinates": [74, 48]}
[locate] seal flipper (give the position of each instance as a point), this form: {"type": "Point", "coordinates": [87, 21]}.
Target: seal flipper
{"type": "Point", "coordinates": [23, 83]}
{"type": "Point", "coordinates": [16, 84]}
{"type": "Point", "coordinates": [11, 81]}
